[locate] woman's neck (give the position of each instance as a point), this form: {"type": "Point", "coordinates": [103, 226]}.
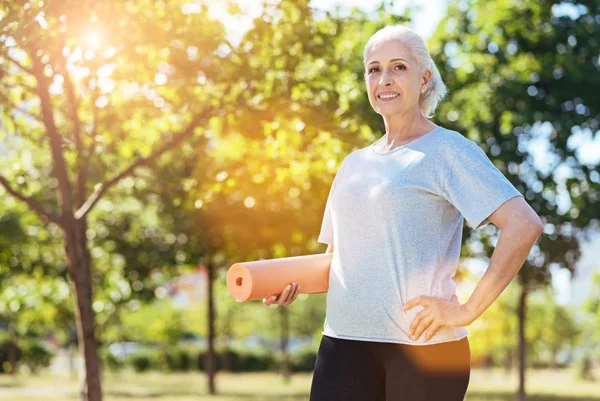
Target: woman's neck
{"type": "Point", "coordinates": [400, 130]}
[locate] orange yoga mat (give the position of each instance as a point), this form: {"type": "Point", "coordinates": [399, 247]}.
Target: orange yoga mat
{"type": "Point", "coordinates": [250, 281]}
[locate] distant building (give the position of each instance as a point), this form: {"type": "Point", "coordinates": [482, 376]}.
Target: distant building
{"type": "Point", "coordinates": [188, 289]}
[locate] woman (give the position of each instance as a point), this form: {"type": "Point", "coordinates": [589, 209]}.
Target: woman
{"type": "Point", "coordinates": [394, 328]}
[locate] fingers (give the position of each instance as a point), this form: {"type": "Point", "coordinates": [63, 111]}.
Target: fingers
{"type": "Point", "coordinates": [268, 301]}
{"type": "Point", "coordinates": [420, 300]}
{"type": "Point", "coordinates": [284, 295]}
{"type": "Point", "coordinates": [431, 331]}
{"type": "Point", "coordinates": [423, 324]}
{"type": "Point", "coordinates": [417, 320]}
{"type": "Point", "coordinates": [287, 296]}
{"type": "Point", "coordinates": [291, 294]}
{"type": "Point", "coordinates": [295, 293]}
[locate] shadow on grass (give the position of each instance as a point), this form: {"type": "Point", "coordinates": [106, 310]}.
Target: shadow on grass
{"type": "Point", "coordinates": [471, 396]}
{"type": "Point", "coordinates": [501, 396]}
{"type": "Point", "coordinates": [236, 396]}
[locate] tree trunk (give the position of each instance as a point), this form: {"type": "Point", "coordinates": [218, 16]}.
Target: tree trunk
{"type": "Point", "coordinates": [211, 367]}
{"type": "Point", "coordinates": [74, 240]}
{"type": "Point", "coordinates": [284, 339]}
{"type": "Point", "coordinates": [521, 395]}
{"type": "Point", "coordinates": [585, 371]}
{"type": "Point", "coordinates": [554, 363]}
{"type": "Point", "coordinates": [81, 286]}
{"type": "Point", "coordinates": [508, 361]}
{"type": "Point", "coordinates": [12, 350]}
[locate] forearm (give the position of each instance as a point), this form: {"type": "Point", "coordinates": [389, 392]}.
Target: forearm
{"type": "Point", "coordinates": [514, 244]}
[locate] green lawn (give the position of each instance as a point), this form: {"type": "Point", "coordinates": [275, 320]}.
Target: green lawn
{"type": "Point", "coordinates": [127, 386]}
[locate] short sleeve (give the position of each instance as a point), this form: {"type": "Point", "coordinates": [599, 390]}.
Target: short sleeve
{"type": "Point", "coordinates": [475, 187]}
{"type": "Point", "coordinates": [326, 234]}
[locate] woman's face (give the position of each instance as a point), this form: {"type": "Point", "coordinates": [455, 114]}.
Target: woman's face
{"type": "Point", "coordinates": [391, 70]}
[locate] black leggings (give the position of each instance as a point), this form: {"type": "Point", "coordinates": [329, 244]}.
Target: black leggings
{"type": "Point", "coordinates": [349, 370]}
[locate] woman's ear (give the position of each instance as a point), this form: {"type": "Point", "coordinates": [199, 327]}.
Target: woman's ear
{"type": "Point", "coordinates": [425, 78]}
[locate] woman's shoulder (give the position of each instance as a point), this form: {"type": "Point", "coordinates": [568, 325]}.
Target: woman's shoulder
{"type": "Point", "coordinates": [453, 141]}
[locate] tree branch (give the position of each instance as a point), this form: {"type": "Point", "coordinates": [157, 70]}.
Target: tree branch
{"type": "Point", "coordinates": [83, 174]}
{"type": "Point", "coordinates": [54, 139]}
{"type": "Point", "coordinates": [27, 114]}
{"type": "Point", "coordinates": [73, 106]}
{"type": "Point", "coordinates": [18, 64]}
{"type": "Point", "coordinates": [19, 86]}
{"type": "Point", "coordinates": [36, 207]}
{"type": "Point", "coordinates": [102, 188]}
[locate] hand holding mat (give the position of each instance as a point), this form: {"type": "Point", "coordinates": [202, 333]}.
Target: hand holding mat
{"type": "Point", "coordinates": [250, 281]}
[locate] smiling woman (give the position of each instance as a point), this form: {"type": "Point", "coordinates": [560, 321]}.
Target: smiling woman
{"type": "Point", "coordinates": [394, 328]}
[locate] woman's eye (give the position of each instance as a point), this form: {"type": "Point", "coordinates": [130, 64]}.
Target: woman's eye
{"type": "Point", "coordinates": [375, 69]}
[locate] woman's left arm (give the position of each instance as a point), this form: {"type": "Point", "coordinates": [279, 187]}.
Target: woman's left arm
{"type": "Point", "coordinates": [520, 227]}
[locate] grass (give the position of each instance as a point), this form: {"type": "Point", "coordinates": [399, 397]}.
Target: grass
{"type": "Point", "coordinates": [491, 385]}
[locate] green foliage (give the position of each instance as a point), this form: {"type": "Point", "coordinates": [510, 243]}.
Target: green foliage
{"type": "Point", "coordinates": [35, 356]}
{"type": "Point", "coordinates": [177, 359]}
{"type": "Point", "coordinates": [143, 362]}
{"type": "Point", "coordinates": [113, 363]}
{"type": "Point", "coordinates": [550, 329]}
{"type": "Point", "coordinates": [30, 353]}
{"type": "Point", "coordinates": [303, 360]}
{"type": "Point", "coordinates": [158, 321]}
{"type": "Point", "coordinates": [522, 75]}
{"type": "Point", "coordinates": [589, 318]}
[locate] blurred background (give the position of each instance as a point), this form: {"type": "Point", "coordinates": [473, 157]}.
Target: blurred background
{"type": "Point", "coordinates": [146, 146]}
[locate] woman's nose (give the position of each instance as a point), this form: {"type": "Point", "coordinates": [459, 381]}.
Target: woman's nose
{"type": "Point", "coordinates": [385, 79]}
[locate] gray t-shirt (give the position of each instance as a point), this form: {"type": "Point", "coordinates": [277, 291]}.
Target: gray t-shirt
{"type": "Point", "coordinates": [395, 220]}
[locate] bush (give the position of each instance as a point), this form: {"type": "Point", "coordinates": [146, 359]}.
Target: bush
{"type": "Point", "coordinates": [229, 360]}
{"type": "Point", "coordinates": [176, 360]}
{"type": "Point", "coordinates": [242, 361]}
{"type": "Point", "coordinates": [143, 361]}
{"type": "Point", "coordinates": [303, 360]}
{"type": "Point", "coordinates": [257, 362]}
{"type": "Point", "coordinates": [113, 363]}
{"type": "Point", "coordinates": [35, 356]}
{"type": "Point", "coordinates": [179, 359]}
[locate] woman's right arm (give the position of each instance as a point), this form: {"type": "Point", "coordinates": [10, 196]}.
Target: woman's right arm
{"type": "Point", "coordinates": [289, 292]}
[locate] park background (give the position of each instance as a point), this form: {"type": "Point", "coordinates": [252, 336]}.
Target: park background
{"type": "Point", "coordinates": [146, 146]}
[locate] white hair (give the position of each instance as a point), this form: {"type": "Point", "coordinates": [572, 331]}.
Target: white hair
{"type": "Point", "coordinates": [436, 89]}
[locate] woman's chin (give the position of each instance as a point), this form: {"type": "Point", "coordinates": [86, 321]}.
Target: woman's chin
{"type": "Point", "coordinates": [388, 111]}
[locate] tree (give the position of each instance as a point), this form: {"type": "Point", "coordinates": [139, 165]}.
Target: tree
{"type": "Point", "coordinates": [104, 88]}
{"type": "Point", "coordinates": [518, 72]}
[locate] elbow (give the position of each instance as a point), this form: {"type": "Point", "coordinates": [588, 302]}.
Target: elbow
{"type": "Point", "coordinates": [530, 228]}
{"type": "Point", "coordinates": [534, 226]}
{"type": "Point", "coordinates": [537, 225]}
{"type": "Point", "coordinates": [538, 229]}
{"type": "Point", "coordinates": [531, 224]}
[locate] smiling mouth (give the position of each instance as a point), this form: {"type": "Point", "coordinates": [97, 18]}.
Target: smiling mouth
{"type": "Point", "coordinates": [388, 97]}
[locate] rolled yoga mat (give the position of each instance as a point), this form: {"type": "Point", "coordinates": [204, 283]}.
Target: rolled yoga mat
{"type": "Point", "coordinates": [250, 281]}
